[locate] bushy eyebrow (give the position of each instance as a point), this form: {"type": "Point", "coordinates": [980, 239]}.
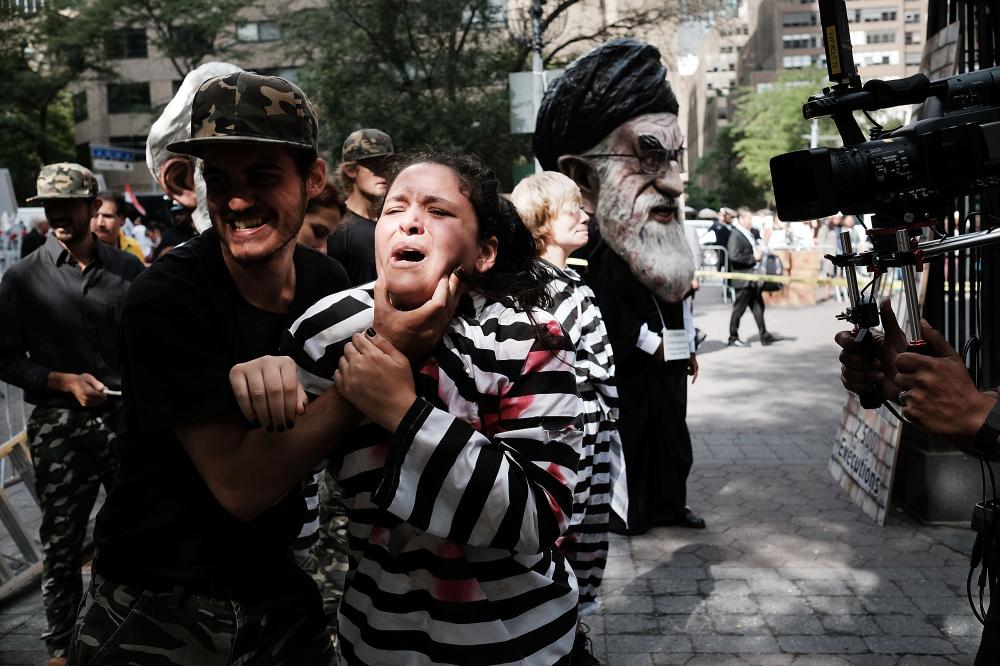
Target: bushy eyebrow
{"type": "Point", "coordinates": [649, 142]}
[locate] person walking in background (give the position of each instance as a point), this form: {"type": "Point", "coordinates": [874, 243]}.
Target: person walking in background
{"type": "Point", "coordinates": [744, 252]}
{"type": "Point", "coordinates": [551, 207]}
{"type": "Point", "coordinates": [35, 238]}
{"type": "Point", "coordinates": [60, 309]}
{"type": "Point", "coordinates": [364, 159]}
{"type": "Point", "coordinates": [108, 221]}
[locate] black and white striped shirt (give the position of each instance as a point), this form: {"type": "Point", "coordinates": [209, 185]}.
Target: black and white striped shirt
{"type": "Point", "coordinates": [454, 517]}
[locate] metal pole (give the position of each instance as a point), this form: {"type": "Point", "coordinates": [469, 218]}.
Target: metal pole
{"type": "Point", "coordinates": [853, 294]}
{"type": "Point", "coordinates": [909, 287]}
{"type": "Point", "coordinates": [537, 66]}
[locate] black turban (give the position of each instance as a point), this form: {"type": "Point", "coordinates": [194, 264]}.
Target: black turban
{"type": "Point", "coordinates": [611, 84]}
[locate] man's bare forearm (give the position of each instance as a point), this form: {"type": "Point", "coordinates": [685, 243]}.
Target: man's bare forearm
{"type": "Point", "coordinates": [249, 470]}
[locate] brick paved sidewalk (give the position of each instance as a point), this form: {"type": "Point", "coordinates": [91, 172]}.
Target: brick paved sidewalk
{"type": "Point", "coordinates": [788, 570]}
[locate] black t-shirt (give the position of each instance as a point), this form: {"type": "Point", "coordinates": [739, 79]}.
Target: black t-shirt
{"type": "Point", "coordinates": [183, 327]}
{"type": "Point", "coordinates": [353, 245]}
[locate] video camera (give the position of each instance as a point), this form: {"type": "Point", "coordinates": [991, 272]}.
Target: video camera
{"type": "Point", "coordinates": [905, 177]}
{"type": "Point", "coordinates": [913, 169]}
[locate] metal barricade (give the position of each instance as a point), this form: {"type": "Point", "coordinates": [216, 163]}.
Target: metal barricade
{"type": "Point", "coordinates": [716, 258]}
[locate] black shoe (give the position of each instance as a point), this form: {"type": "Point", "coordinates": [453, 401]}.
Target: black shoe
{"type": "Point", "coordinates": [768, 338]}
{"type": "Point", "coordinates": [689, 519]}
{"type": "Point", "coordinates": [582, 649]}
{"type": "Point", "coordinates": [736, 342]}
{"type": "Point", "coordinates": [699, 337]}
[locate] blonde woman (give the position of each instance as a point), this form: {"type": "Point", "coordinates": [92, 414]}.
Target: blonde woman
{"type": "Point", "coordinates": [551, 207]}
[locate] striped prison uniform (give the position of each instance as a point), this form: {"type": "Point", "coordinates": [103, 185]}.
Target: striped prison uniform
{"type": "Point", "coordinates": [454, 517]}
{"type": "Point", "coordinates": [601, 485]}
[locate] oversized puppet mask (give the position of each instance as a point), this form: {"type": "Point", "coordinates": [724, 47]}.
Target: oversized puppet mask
{"type": "Point", "coordinates": [610, 123]}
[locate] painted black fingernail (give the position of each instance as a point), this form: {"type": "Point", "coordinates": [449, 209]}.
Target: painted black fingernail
{"type": "Point", "coordinates": [290, 424]}
{"type": "Point", "coordinates": [370, 332]}
{"type": "Point", "coordinates": [256, 423]}
{"type": "Point", "coordinates": [281, 428]}
{"type": "Point", "coordinates": [270, 428]}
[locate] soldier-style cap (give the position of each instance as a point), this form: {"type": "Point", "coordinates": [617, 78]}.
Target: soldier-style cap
{"type": "Point", "coordinates": [366, 143]}
{"type": "Point", "coordinates": [65, 180]}
{"type": "Point", "coordinates": [249, 108]}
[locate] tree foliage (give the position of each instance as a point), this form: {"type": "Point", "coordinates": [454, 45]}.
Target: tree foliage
{"type": "Point", "coordinates": [185, 32]}
{"type": "Point", "coordinates": [435, 71]}
{"type": "Point", "coordinates": [41, 53]}
{"type": "Point", "coordinates": [731, 184]}
{"type": "Point", "coordinates": [769, 122]}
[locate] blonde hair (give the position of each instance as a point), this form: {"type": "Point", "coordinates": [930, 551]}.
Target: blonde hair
{"type": "Point", "coordinates": [541, 198]}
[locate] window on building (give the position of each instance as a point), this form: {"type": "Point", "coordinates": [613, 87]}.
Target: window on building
{"type": "Point", "coordinates": [802, 41]}
{"type": "Point", "coordinates": [867, 58]}
{"type": "Point", "coordinates": [128, 43]}
{"type": "Point", "coordinates": [913, 58]}
{"type": "Point", "coordinates": [134, 142]}
{"type": "Point", "coordinates": [873, 14]}
{"type": "Point", "coordinates": [258, 31]}
{"type": "Point", "coordinates": [887, 37]}
{"type": "Point", "coordinates": [911, 17]}
{"type": "Point", "coordinates": [726, 49]}
{"type": "Point", "coordinates": [732, 67]}
{"type": "Point", "coordinates": [128, 97]}
{"type": "Point", "coordinates": [913, 38]}
{"type": "Point", "coordinates": [191, 38]}
{"type": "Point", "coordinates": [80, 106]}
{"type": "Point", "coordinates": [790, 19]}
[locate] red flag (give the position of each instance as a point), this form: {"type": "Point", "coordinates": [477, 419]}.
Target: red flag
{"type": "Point", "coordinates": [134, 200]}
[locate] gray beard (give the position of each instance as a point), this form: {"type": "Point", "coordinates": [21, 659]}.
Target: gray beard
{"type": "Point", "coordinates": [658, 254]}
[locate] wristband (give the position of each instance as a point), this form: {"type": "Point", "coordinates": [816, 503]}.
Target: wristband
{"type": "Point", "coordinates": [986, 439]}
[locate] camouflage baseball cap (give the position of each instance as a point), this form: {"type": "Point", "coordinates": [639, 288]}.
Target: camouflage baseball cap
{"type": "Point", "coordinates": [65, 180]}
{"type": "Point", "coordinates": [249, 108]}
{"type": "Point", "coordinates": [366, 143]}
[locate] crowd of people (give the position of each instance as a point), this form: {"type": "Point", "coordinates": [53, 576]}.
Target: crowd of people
{"type": "Point", "coordinates": [385, 421]}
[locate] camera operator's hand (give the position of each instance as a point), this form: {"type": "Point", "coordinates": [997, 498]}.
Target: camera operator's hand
{"type": "Point", "coordinates": [860, 376]}
{"type": "Point", "coordinates": [938, 395]}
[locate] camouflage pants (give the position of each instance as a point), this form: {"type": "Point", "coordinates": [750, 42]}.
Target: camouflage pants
{"type": "Point", "coordinates": [72, 452]}
{"type": "Point", "coordinates": [122, 624]}
{"type": "Point", "coordinates": [328, 562]}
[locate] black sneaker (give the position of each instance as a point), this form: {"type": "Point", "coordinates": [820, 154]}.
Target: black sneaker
{"type": "Point", "coordinates": [769, 338]}
{"type": "Point", "coordinates": [582, 649]}
{"type": "Point", "coordinates": [736, 342]}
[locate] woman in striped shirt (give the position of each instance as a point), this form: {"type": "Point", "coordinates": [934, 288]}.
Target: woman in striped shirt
{"type": "Point", "coordinates": [551, 207]}
{"type": "Point", "coordinates": [462, 480]}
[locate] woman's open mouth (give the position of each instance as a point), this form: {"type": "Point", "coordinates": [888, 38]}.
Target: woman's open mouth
{"type": "Point", "coordinates": [407, 256]}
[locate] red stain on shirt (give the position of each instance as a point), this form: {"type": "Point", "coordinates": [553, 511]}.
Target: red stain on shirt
{"type": "Point", "coordinates": [537, 361]}
{"type": "Point", "coordinates": [554, 329]}
{"type": "Point", "coordinates": [462, 590]}
{"type": "Point", "coordinates": [513, 408]}
{"type": "Point", "coordinates": [556, 473]}
{"type": "Point", "coordinates": [554, 505]}
{"type": "Point", "coordinates": [431, 369]}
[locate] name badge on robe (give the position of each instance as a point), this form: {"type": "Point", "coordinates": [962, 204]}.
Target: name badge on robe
{"type": "Point", "coordinates": [675, 345]}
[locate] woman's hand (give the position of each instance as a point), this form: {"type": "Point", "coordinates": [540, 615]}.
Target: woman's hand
{"type": "Point", "coordinates": [376, 378]}
{"type": "Point", "coordinates": [268, 391]}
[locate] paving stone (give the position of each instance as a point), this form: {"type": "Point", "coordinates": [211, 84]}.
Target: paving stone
{"type": "Point", "coordinates": [822, 644]}
{"type": "Point", "coordinates": [805, 625]}
{"type": "Point", "coordinates": [730, 623]}
{"type": "Point", "coordinates": [636, 643]}
{"type": "Point", "coordinates": [911, 645]}
{"type": "Point", "coordinates": [631, 624]}
{"type": "Point", "coordinates": [906, 625]}
{"type": "Point", "coordinates": [734, 644]}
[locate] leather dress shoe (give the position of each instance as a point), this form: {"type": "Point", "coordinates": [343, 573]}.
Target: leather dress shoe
{"type": "Point", "coordinates": [736, 342]}
{"type": "Point", "coordinates": [689, 519]}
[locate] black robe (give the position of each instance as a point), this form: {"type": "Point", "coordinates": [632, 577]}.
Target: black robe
{"type": "Point", "coordinates": [653, 394]}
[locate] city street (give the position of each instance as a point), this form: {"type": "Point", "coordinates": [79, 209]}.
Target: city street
{"type": "Point", "coordinates": [789, 571]}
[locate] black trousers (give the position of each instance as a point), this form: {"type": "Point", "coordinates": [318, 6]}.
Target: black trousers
{"type": "Point", "coordinates": [745, 296]}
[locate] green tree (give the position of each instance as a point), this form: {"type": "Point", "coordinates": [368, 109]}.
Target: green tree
{"type": "Point", "coordinates": [186, 32]}
{"type": "Point", "coordinates": [731, 184]}
{"type": "Point", "coordinates": [769, 122]}
{"type": "Point", "coordinates": [41, 53]}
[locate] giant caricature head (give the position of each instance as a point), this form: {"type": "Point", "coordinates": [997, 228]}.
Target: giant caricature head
{"type": "Point", "coordinates": [610, 123]}
{"type": "Point", "coordinates": [177, 174]}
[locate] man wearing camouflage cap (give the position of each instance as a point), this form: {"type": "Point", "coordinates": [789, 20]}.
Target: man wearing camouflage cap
{"type": "Point", "coordinates": [194, 543]}
{"type": "Point", "coordinates": [60, 307]}
{"type": "Point", "coordinates": [364, 159]}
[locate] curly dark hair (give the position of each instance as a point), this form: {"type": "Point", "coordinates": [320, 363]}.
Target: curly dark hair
{"type": "Point", "coordinates": [517, 280]}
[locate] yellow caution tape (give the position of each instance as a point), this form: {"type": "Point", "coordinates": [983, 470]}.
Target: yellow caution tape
{"type": "Point", "coordinates": [783, 279]}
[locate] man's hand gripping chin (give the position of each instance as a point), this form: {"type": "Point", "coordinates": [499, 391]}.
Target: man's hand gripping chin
{"type": "Point", "coordinates": [417, 331]}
